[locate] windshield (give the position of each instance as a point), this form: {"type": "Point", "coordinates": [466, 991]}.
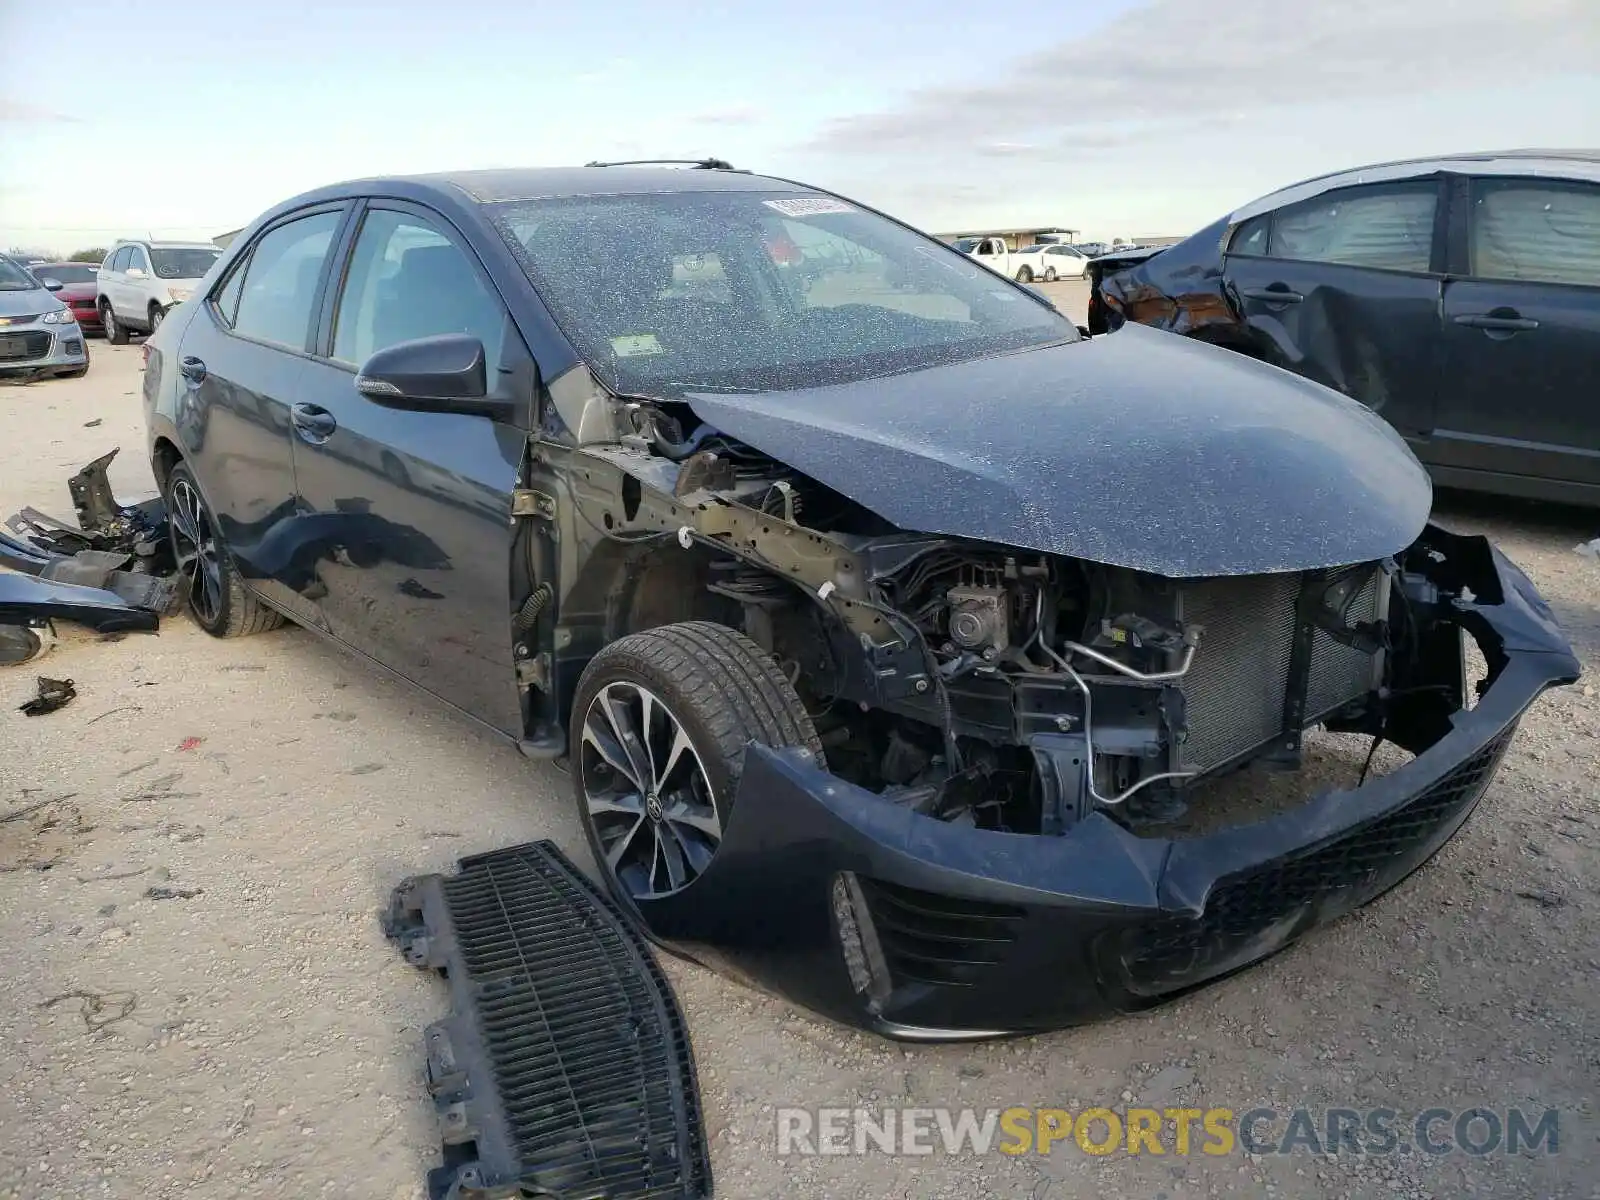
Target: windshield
{"type": "Point", "coordinates": [15, 278]}
{"type": "Point", "coordinates": [185, 263]}
{"type": "Point", "coordinates": [68, 272]}
{"type": "Point", "coordinates": [666, 294]}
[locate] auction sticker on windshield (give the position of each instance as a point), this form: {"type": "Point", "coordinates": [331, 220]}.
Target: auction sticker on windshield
{"type": "Point", "coordinates": [635, 345]}
{"type": "Point", "coordinates": [809, 206]}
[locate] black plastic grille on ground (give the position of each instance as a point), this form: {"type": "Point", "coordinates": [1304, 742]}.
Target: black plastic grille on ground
{"type": "Point", "coordinates": [1177, 952]}
{"type": "Point", "coordinates": [565, 1068]}
{"type": "Point", "coordinates": [930, 938]}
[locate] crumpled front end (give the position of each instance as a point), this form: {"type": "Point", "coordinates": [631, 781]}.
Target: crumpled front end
{"type": "Point", "coordinates": [877, 915]}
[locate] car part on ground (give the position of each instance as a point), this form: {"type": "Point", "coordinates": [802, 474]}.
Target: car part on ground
{"type": "Point", "coordinates": [565, 1067]}
{"type": "Point", "coordinates": [53, 694]}
{"type": "Point", "coordinates": [115, 549]}
{"type": "Point", "coordinates": [1457, 297]}
{"type": "Point", "coordinates": [25, 642]}
{"type": "Point", "coordinates": [25, 599]}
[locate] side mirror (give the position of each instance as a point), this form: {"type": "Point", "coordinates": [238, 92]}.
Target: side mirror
{"type": "Point", "coordinates": [134, 272]}
{"type": "Point", "coordinates": [445, 373]}
{"type": "Point", "coordinates": [51, 284]}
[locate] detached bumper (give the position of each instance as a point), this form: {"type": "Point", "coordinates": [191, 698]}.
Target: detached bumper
{"type": "Point", "coordinates": [880, 917]}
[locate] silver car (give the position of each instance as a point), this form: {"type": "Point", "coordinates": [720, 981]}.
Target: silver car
{"type": "Point", "coordinates": [38, 333]}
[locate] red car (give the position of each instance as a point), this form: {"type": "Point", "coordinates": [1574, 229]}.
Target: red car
{"type": "Point", "coordinates": [80, 282]}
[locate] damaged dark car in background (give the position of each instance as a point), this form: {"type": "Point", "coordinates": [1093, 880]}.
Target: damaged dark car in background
{"type": "Point", "coordinates": [901, 641]}
{"type": "Point", "coordinates": [1458, 298]}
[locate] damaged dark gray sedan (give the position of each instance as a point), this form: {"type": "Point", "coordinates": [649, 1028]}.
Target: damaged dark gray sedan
{"type": "Point", "coordinates": [891, 628]}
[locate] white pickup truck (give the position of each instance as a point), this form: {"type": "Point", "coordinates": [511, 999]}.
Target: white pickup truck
{"type": "Point", "coordinates": [992, 252]}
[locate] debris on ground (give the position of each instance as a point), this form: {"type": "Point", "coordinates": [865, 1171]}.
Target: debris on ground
{"type": "Point", "coordinates": [172, 893]}
{"type": "Point", "coordinates": [53, 694]}
{"type": "Point", "coordinates": [120, 548]}
{"type": "Point", "coordinates": [569, 1076]}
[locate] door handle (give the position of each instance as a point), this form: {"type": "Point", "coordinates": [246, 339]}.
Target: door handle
{"type": "Point", "coordinates": [1276, 294]}
{"type": "Point", "coordinates": [1497, 322]}
{"type": "Point", "coordinates": [191, 368]}
{"type": "Point", "coordinates": [312, 422]}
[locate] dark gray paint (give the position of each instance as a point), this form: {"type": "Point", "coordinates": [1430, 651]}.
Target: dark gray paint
{"type": "Point", "coordinates": [1140, 450]}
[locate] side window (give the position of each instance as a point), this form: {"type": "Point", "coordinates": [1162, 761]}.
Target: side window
{"type": "Point", "coordinates": [119, 261]}
{"type": "Point", "coordinates": [1538, 231]}
{"type": "Point", "coordinates": [136, 258]}
{"type": "Point", "coordinates": [407, 281]}
{"type": "Point", "coordinates": [1251, 237]}
{"type": "Point", "coordinates": [280, 283]}
{"type": "Point", "coordinates": [1388, 227]}
{"type": "Point", "coordinates": [227, 297]}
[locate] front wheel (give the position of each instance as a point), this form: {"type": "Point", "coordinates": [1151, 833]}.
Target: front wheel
{"type": "Point", "coordinates": [213, 590]}
{"type": "Point", "coordinates": [157, 315]}
{"type": "Point", "coordinates": [1024, 275]}
{"type": "Point", "coordinates": [659, 728]}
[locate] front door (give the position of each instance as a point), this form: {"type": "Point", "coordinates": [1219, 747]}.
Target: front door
{"type": "Point", "coordinates": [242, 359]}
{"type": "Point", "coordinates": [416, 505]}
{"type": "Point", "coordinates": [1344, 289]}
{"type": "Point", "coordinates": [1521, 387]}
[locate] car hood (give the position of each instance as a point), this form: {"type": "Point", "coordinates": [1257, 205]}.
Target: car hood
{"type": "Point", "coordinates": [30, 303]}
{"type": "Point", "coordinates": [1139, 449]}
{"type": "Point", "coordinates": [78, 291]}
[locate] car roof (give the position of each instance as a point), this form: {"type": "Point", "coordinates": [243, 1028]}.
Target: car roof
{"type": "Point", "coordinates": [162, 244]}
{"type": "Point", "coordinates": [542, 183]}
{"type": "Point", "coordinates": [1555, 164]}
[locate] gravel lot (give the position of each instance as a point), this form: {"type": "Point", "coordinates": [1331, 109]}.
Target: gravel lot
{"type": "Point", "coordinates": [256, 1036]}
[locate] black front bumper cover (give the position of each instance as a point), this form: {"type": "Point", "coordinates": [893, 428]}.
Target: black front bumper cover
{"type": "Point", "coordinates": [877, 916]}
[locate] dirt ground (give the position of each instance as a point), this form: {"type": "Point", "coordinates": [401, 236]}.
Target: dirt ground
{"type": "Point", "coordinates": [197, 999]}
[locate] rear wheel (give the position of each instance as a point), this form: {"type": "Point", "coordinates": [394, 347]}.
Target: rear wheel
{"type": "Point", "coordinates": [115, 333]}
{"type": "Point", "coordinates": [213, 591]}
{"type": "Point", "coordinates": [1024, 275]}
{"type": "Point", "coordinates": [659, 728]}
{"type": "Point", "coordinates": [1049, 274]}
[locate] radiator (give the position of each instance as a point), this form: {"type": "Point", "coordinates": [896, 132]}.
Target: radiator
{"type": "Point", "coordinates": [1235, 693]}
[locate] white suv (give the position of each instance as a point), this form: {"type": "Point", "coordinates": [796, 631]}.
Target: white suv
{"type": "Point", "coordinates": [141, 280]}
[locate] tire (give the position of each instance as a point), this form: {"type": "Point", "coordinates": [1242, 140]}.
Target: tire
{"type": "Point", "coordinates": [115, 332]}
{"type": "Point", "coordinates": [1024, 274]}
{"type": "Point", "coordinates": [78, 374]}
{"type": "Point", "coordinates": [214, 594]}
{"type": "Point", "coordinates": [1049, 274]}
{"type": "Point", "coordinates": [711, 683]}
{"type": "Point", "coordinates": [156, 316]}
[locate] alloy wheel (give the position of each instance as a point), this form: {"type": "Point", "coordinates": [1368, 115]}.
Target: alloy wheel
{"type": "Point", "coordinates": [194, 545]}
{"type": "Point", "coordinates": [646, 792]}
{"type": "Point", "coordinates": [108, 323]}
{"type": "Point", "coordinates": [156, 317]}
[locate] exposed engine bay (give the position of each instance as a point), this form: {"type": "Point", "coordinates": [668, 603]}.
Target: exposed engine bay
{"type": "Point", "coordinates": [1009, 690]}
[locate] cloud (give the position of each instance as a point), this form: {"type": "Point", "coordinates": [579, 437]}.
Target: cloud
{"type": "Point", "coordinates": [18, 110]}
{"type": "Point", "coordinates": [1175, 61]}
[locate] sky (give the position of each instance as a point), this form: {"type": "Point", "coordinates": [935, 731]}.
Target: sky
{"type": "Point", "coordinates": [1120, 118]}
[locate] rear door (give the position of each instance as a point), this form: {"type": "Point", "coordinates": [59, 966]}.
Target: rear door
{"type": "Point", "coordinates": [114, 282]}
{"type": "Point", "coordinates": [1344, 289]}
{"type": "Point", "coordinates": [416, 506]}
{"type": "Point", "coordinates": [1521, 387]}
{"type": "Point", "coordinates": [243, 359]}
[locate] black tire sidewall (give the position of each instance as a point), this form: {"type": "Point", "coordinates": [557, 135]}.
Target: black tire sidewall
{"type": "Point", "coordinates": [620, 669]}
{"type": "Point", "coordinates": [224, 563]}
